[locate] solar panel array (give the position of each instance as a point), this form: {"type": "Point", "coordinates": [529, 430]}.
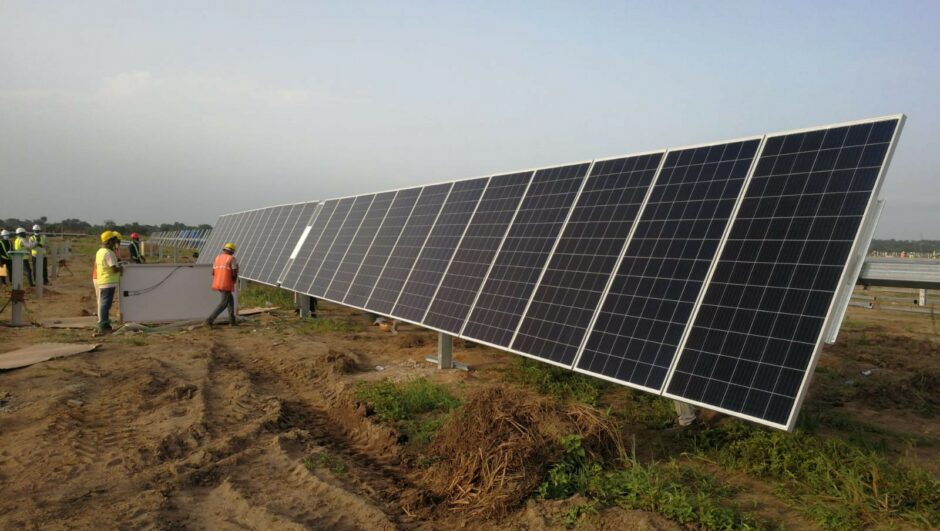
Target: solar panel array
{"type": "Point", "coordinates": [710, 274]}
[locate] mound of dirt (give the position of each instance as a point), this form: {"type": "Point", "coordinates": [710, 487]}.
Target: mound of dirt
{"type": "Point", "coordinates": [495, 450]}
{"type": "Point", "coordinates": [338, 362]}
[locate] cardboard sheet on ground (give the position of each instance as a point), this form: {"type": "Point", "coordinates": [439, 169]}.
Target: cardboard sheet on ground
{"type": "Point", "coordinates": [42, 352]}
{"type": "Point", "coordinates": [70, 322]}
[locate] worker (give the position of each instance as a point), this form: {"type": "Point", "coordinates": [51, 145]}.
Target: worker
{"type": "Point", "coordinates": [107, 275]}
{"type": "Point", "coordinates": [224, 275]}
{"type": "Point", "coordinates": [22, 243]}
{"type": "Point", "coordinates": [38, 240]}
{"type": "Point", "coordinates": [5, 259]}
{"type": "Point", "coordinates": [134, 248]}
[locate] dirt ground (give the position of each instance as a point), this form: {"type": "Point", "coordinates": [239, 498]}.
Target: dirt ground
{"type": "Point", "coordinates": [215, 429]}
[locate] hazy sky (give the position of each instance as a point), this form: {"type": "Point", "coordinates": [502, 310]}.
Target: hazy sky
{"type": "Point", "coordinates": [164, 111]}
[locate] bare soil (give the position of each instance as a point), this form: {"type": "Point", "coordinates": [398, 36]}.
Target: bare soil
{"type": "Point", "coordinates": [221, 428]}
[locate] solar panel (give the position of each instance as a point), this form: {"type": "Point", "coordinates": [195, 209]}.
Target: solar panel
{"type": "Point", "coordinates": [395, 272]}
{"type": "Point", "coordinates": [474, 255]}
{"type": "Point", "coordinates": [263, 242]}
{"type": "Point", "coordinates": [321, 237]}
{"type": "Point", "coordinates": [438, 249]}
{"type": "Point", "coordinates": [252, 255]}
{"type": "Point", "coordinates": [304, 231]}
{"type": "Point", "coordinates": [294, 224]}
{"type": "Point", "coordinates": [584, 257]}
{"type": "Point", "coordinates": [219, 233]}
{"type": "Point", "coordinates": [529, 241]}
{"type": "Point", "coordinates": [248, 232]}
{"type": "Point", "coordinates": [650, 299]}
{"type": "Point", "coordinates": [757, 331]}
{"type": "Point", "coordinates": [385, 242]}
{"type": "Point", "coordinates": [343, 238]}
{"type": "Point", "coordinates": [272, 241]}
{"type": "Point", "coordinates": [360, 245]}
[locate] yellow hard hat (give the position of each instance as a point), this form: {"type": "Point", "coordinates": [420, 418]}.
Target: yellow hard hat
{"type": "Point", "coordinates": [107, 235]}
{"type": "Point", "coordinates": [229, 247]}
{"type": "Point", "coordinates": [116, 234]}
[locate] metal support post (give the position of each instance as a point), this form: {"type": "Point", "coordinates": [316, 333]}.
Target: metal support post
{"type": "Point", "coordinates": [176, 255]}
{"type": "Point", "coordinates": [37, 271]}
{"type": "Point", "coordinates": [304, 305]}
{"type": "Point", "coordinates": [54, 262]}
{"type": "Point", "coordinates": [17, 286]}
{"type": "Point", "coordinates": [686, 413]}
{"type": "Point", "coordinates": [922, 298]}
{"type": "Point", "coordinates": [160, 251]}
{"type": "Point", "coordinates": [445, 354]}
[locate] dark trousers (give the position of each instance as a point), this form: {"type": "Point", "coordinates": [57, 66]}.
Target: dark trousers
{"type": "Point", "coordinates": [104, 308]}
{"type": "Point", "coordinates": [45, 269]}
{"type": "Point", "coordinates": [228, 301]}
{"type": "Point", "coordinates": [28, 271]}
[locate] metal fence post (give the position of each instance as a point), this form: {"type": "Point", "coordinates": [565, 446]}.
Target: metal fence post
{"type": "Point", "coordinates": [17, 286]}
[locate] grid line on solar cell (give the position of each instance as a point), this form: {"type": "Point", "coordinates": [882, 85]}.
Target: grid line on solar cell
{"type": "Point", "coordinates": [518, 266]}
{"type": "Point", "coordinates": [649, 301]}
{"type": "Point", "coordinates": [286, 239]}
{"type": "Point", "coordinates": [484, 234]}
{"type": "Point", "coordinates": [305, 266]}
{"type": "Point", "coordinates": [303, 232]}
{"type": "Point", "coordinates": [360, 245]}
{"type": "Point", "coordinates": [757, 330]}
{"type": "Point", "coordinates": [385, 242]}
{"type": "Point", "coordinates": [438, 250]}
{"type": "Point", "coordinates": [337, 250]}
{"type": "Point", "coordinates": [577, 274]}
{"type": "Point", "coordinates": [412, 239]}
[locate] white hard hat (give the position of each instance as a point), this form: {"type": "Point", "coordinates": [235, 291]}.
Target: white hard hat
{"type": "Point", "coordinates": [20, 230]}
{"type": "Point", "coordinates": [37, 227]}
{"type": "Point", "coordinates": [4, 232]}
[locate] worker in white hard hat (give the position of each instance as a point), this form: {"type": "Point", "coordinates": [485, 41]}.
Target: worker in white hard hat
{"type": "Point", "coordinates": [39, 245]}
{"type": "Point", "coordinates": [5, 259]}
{"type": "Point", "coordinates": [22, 243]}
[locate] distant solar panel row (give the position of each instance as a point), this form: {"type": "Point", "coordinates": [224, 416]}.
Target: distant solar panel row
{"type": "Point", "coordinates": [709, 274]}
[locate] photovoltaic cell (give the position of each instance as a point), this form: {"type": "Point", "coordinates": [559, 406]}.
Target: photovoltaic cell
{"type": "Point", "coordinates": [359, 247]}
{"type": "Point", "coordinates": [406, 251]}
{"type": "Point", "coordinates": [343, 239]}
{"type": "Point", "coordinates": [318, 242]}
{"type": "Point", "coordinates": [249, 235]}
{"type": "Point", "coordinates": [650, 300]}
{"type": "Point", "coordinates": [281, 228]}
{"type": "Point", "coordinates": [480, 242]}
{"type": "Point", "coordinates": [528, 244]}
{"type": "Point", "coordinates": [760, 322]}
{"type": "Point", "coordinates": [287, 239]}
{"type": "Point", "coordinates": [566, 299]}
{"type": "Point", "coordinates": [438, 249]}
{"type": "Point", "coordinates": [385, 242]}
{"type": "Point", "coordinates": [264, 245]}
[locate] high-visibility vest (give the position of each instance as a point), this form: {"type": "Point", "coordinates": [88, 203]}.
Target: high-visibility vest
{"type": "Point", "coordinates": [103, 274]}
{"type": "Point", "coordinates": [20, 244]}
{"type": "Point", "coordinates": [5, 248]}
{"type": "Point", "coordinates": [223, 273]}
{"type": "Point", "coordinates": [40, 242]}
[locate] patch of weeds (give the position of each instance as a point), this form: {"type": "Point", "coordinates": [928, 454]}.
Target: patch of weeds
{"type": "Point", "coordinates": [682, 494]}
{"type": "Point", "coordinates": [839, 484]}
{"type": "Point", "coordinates": [560, 383]}
{"type": "Point", "coordinates": [138, 340]}
{"type": "Point", "coordinates": [325, 460]}
{"type": "Point", "coordinates": [325, 324]}
{"type": "Point", "coordinates": [417, 408]}
{"type": "Point", "coordinates": [645, 409]}
{"type": "Point", "coordinates": [577, 512]}
{"type": "Point", "coordinates": [261, 295]}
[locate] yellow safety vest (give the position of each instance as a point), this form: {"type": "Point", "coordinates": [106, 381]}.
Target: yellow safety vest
{"type": "Point", "coordinates": [40, 242]}
{"type": "Point", "coordinates": [103, 273]}
{"type": "Point", "coordinates": [19, 244]}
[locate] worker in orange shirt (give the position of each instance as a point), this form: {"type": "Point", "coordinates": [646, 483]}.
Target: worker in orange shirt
{"type": "Point", "coordinates": [224, 275]}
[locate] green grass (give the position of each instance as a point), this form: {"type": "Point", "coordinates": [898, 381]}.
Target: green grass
{"type": "Point", "coordinates": [680, 493]}
{"type": "Point", "coordinates": [322, 325]}
{"type": "Point", "coordinates": [417, 408]}
{"type": "Point", "coordinates": [325, 460]}
{"type": "Point", "coordinates": [560, 383]}
{"type": "Point", "coordinates": [837, 483]}
{"type": "Point", "coordinates": [261, 295]}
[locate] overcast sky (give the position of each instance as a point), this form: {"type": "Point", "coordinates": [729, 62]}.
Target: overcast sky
{"type": "Point", "coordinates": [165, 111]}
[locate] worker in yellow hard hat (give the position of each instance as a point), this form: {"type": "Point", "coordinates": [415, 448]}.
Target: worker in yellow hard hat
{"type": "Point", "coordinates": [224, 275]}
{"type": "Point", "coordinates": [107, 276]}
{"type": "Point", "coordinates": [22, 243]}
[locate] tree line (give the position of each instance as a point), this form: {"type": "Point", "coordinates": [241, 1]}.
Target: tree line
{"type": "Point", "coordinates": [83, 227]}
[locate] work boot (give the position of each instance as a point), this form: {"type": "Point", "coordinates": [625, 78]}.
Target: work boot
{"type": "Point", "coordinates": [208, 323]}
